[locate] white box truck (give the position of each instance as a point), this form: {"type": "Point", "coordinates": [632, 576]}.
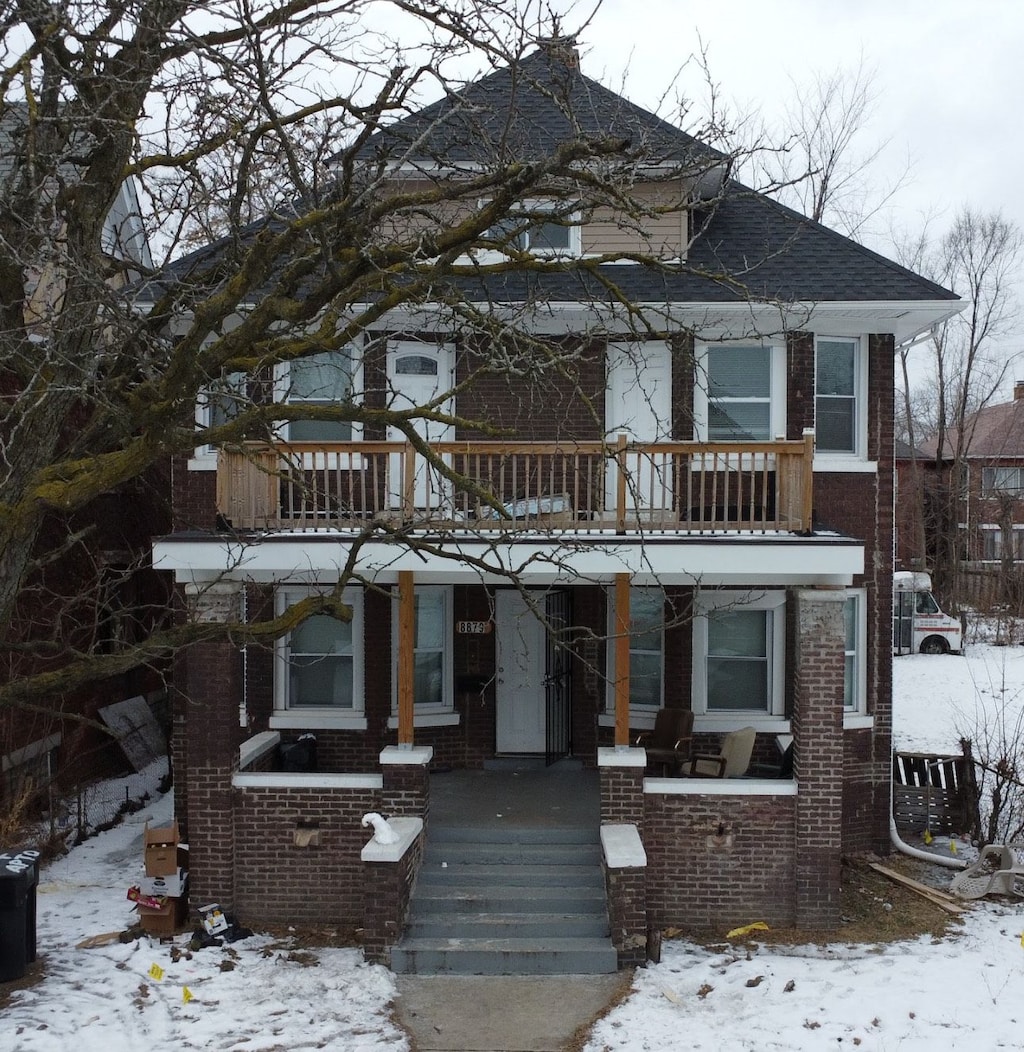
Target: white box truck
{"type": "Point", "coordinates": [918, 625]}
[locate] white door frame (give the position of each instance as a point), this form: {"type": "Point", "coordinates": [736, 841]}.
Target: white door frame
{"type": "Point", "coordinates": [520, 700]}
{"type": "Point", "coordinates": [417, 389]}
{"type": "Point", "coordinates": [638, 404]}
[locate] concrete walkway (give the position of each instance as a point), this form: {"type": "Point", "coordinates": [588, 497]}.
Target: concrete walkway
{"type": "Point", "coordinates": [477, 1013]}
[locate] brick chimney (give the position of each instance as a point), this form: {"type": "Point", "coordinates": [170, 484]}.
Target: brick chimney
{"type": "Point", "coordinates": [1018, 390]}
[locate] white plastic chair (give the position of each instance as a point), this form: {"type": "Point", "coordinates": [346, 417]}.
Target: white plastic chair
{"type": "Point", "coordinates": [995, 873]}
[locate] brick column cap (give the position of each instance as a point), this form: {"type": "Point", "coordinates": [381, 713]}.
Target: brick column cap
{"type": "Point", "coordinates": [623, 848]}
{"type": "Point", "coordinates": [397, 756]}
{"type": "Point", "coordinates": [407, 828]}
{"type": "Point", "coordinates": [613, 757]}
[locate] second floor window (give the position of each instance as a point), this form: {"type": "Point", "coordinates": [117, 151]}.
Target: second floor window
{"type": "Point", "coordinates": [740, 392]}
{"type": "Point", "coordinates": [836, 403]}
{"type": "Point", "coordinates": [527, 230]}
{"type": "Point", "coordinates": [324, 379]}
{"type": "Point", "coordinates": [1002, 480]}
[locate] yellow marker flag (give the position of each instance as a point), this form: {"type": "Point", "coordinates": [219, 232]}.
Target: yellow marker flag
{"type": "Point", "coordinates": [952, 847]}
{"type": "Point", "coordinates": [186, 995]}
{"type": "Point", "coordinates": [156, 972]}
{"type": "Point", "coordinates": [1022, 940]}
{"type": "Point", "coordinates": [928, 838]}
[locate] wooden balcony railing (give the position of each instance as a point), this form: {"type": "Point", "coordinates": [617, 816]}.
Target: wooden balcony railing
{"type": "Point", "coordinates": [585, 487]}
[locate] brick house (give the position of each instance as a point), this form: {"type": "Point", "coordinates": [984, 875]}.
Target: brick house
{"type": "Point", "coordinates": [692, 513]}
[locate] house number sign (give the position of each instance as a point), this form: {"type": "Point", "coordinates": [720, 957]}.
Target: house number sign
{"type": "Point", "coordinates": [473, 628]}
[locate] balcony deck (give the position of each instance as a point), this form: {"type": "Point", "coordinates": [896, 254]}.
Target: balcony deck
{"type": "Point", "coordinates": [495, 487]}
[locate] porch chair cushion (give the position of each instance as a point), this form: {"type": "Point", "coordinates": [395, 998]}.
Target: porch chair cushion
{"type": "Point", "coordinates": [731, 761]}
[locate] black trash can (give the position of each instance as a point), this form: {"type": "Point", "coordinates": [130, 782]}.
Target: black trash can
{"type": "Point", "coordinates": [19, 878]}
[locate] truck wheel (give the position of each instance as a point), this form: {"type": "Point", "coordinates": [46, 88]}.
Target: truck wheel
{"type": "Point", "coordinates": [934, 645]}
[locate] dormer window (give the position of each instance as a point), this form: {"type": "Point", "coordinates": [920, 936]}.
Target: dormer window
{"type": "Point", "coordinates": [525, 229]}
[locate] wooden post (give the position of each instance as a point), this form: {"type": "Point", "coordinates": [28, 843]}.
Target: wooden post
{"type": "Point", "coordinates": [620, 489]}
{"type": "Point", "coordinates": [807, 508]}
{"type": "Point", "coordinates": [409, 480]}
{"type": "Point", "coordinates": [406, 655]}
{"type": "Point", "coordinates": [621, 622]}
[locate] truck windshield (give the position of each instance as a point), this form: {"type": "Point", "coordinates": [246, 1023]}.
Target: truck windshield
{"type": "Point", "coordinates": [926, 604]}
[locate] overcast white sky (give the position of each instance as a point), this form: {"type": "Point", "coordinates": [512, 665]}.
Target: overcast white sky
{"type": "Point", "coordinates": [949, 77]}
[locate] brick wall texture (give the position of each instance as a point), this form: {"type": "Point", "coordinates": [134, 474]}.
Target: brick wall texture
{"type": "Point", "coordinates": [712, 861]}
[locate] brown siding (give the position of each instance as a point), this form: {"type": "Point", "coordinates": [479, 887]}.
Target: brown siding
{"type": "Point", "coordinates": [647, 228]}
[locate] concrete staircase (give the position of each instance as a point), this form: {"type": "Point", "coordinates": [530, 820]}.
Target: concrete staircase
{"type": "Point", "coordinates": [515, 901]}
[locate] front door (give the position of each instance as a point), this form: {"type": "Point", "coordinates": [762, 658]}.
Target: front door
{"type": "Point", "coordinates": [520, 698]}
{"type": "Point", "coordinates": [418, 375]}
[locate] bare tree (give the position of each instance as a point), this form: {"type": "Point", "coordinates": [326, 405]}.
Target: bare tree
{"type": "Point", "coordinates": [978, 256]}
{"type": "Point", "coordinates": [257, 125]}
{"type": "Point", "coordinates": [821, 163]}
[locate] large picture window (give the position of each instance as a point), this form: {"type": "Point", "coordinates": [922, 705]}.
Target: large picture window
{"type": "Point", "coordinates": [837, 402]}
{"type": "Point", "coordinates": [646, 649]}
{"type": "Point", "coordinates": [320, 664]}
{"type": "Point", "coordinates": [739, 648]}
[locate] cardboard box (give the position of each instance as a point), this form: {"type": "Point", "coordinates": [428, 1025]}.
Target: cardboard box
{"type": "Point", "coordinates": [165, 920]}
{"type": "Point", "coordinates": [213, 918]}
{"type": "Point", "coordinates": [160, 850]}
{"type": "Point", "coordinates": [173, 886]}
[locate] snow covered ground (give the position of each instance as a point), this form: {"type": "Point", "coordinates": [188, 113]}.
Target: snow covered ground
{"type": "Point", "coordinates": [263, 994]}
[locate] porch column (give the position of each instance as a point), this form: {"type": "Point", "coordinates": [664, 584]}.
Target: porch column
{"type": "Point", "coordinates": [818, 755]}
{"type": "Point", "coordinates": [621, 622]}
{"type": "Point", "coordinates": [406, 655]}
{"type": "Point", "coordinates": [212, 690]}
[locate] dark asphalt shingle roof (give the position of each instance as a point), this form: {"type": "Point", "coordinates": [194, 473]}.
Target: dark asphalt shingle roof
{"type": "Point", "coordinates": [525, 111]}
{"type": "Point", "coordinates": [749, 246]}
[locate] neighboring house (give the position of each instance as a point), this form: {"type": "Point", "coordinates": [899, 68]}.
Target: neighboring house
{"type": "Point", "coordinates": [741, 527]}
{"type": "Point", "coordinates": [991, 515]}
{"type": "Point", "coordinates": [915, 472]}
{"type": "Point", "coordinates": [99, 591]}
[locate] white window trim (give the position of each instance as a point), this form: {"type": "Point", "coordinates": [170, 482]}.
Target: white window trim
{"type": "Point", "coordinates": [204, 458]}
{"type": "Point", "coordinates": [777, 386]}
{"type": "Point", "coordinates": [573, 226]}
{"type": "Point", "coordinates": [773, 720]}
{"type": "Point", "coordinates": [856, 459]}
{"type": "Point", "coordinates": [319, 717]}
{"type": "Point", "coordinates": [641, 714]}
{"type": "Point", "coordinates": [444, 714]}
{"type": "Point", "coordinates": [855, 717]}
{"type": "Point", "coordinates": [282, 383]}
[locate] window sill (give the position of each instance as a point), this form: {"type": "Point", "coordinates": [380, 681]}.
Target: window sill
{"type": "Point", "coordinates": [639, 719]}
{"type": "Point", "coordinates": [857, 721]}
{"type": "Point", "coordinates": [844, 463]}
{"type": "Point", "coordinates": [429, 719]}
{"type": "Point", "coordinates": [317, 719]}
{"type": "Point", "coordinates": [716, 723]}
